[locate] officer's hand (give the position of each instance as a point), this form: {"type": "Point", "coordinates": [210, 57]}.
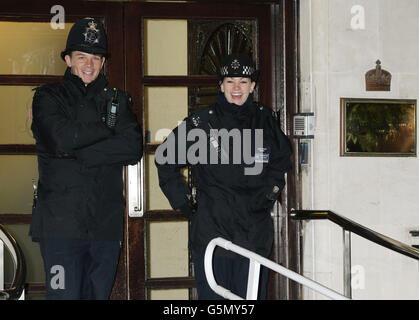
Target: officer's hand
{"type": "Point", "coordinates": [265, 199]}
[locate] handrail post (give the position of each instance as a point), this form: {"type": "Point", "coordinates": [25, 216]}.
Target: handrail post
{"type": "Point", "coordinates": [347, 276]}
{"type": "Point", "coordinates": [1, 265]}
{"type": "Point", "coordinates": [253, 280]}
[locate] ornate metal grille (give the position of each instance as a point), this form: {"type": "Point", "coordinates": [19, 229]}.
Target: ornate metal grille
{"type": "Point", "coordinates": [208, 43]}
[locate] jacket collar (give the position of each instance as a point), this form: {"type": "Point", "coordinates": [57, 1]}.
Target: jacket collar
{"type": "Point", "coordinates": [91, 89]}
{"type": "Point", "coordinates": [234, 109]}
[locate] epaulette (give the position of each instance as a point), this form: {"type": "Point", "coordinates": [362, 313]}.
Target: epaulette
{"type": "Point", "coordinates": [47, 86]}
{"type": "Point", "coordinates": [201, 116]}
{"type": "Point", "coordinates": [54, 90]}
{"type": "Point", "coordinates": [110, 93]}
{"type": "Point", "coordinates": [271, 111]}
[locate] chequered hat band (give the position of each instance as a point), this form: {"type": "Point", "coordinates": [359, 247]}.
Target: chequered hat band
{"type": "Point", "coordinates": [224, 70]}
{"type": "Point", "coordinates": [245, 70]}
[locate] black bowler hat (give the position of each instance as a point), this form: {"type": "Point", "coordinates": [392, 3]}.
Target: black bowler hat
{"type": "Point", "coordinates": [87, 35]}
{"type": "Point", "coordinates": [237, 65]}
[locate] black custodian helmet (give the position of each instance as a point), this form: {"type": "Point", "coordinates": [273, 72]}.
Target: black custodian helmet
{"type": "Point", "coordinates": [237, 65]}
{"type": "Point", "coordinates": [87, 35]}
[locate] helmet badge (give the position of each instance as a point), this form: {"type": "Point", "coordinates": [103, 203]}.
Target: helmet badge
{"type": "Point", "coordinates": [92, 34]}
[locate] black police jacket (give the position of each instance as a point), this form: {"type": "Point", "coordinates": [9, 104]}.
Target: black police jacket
{"type": "Point", "coordinates": [80, 160]}
{"type": "Point", "coordinates": [231, 203]}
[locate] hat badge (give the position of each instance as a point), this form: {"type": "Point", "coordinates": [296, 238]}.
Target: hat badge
{"type": "Point", "coordinates": [235, 64]}
{"type": "Point", "coordinates": [92, 34]}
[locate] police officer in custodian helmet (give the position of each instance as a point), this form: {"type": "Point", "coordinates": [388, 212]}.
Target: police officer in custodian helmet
{"type": "Point", "coordinates": [234, 196]}
{"type": "Point", "coordinates": [85, 133]}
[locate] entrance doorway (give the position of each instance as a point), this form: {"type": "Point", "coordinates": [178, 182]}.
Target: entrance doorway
{"type": "Point", "coordinates": [172, 53]}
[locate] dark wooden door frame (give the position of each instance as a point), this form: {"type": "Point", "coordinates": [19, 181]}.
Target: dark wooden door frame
{"type": "Point", "coordinates": [282, 85]}
{"type": "Point", "coordinates": [134, 13]}
{"type": "Point", "coordinates": [289, 250]}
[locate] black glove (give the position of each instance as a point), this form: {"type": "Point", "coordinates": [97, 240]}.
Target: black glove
{"type": "Point", "coordinates": [265, 200]}
{"type": "Point", "coordinates": [188, 210]}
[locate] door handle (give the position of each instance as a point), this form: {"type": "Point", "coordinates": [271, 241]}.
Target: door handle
{"type": "Point", "coordinates": [136, 189]}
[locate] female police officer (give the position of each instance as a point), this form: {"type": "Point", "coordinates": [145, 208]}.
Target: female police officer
{"type": "Point", "coordinates": [234, 198]}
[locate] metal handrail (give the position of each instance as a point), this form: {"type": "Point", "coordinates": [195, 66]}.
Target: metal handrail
{"type": "Point", "coordinates": [16, 288]}
{"type": "Point", "coordinates": [254, 271]}
{"type": "Point", "coordinates": [349, 226]}
{"type": "Point", "coordinates": [360, 230]}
